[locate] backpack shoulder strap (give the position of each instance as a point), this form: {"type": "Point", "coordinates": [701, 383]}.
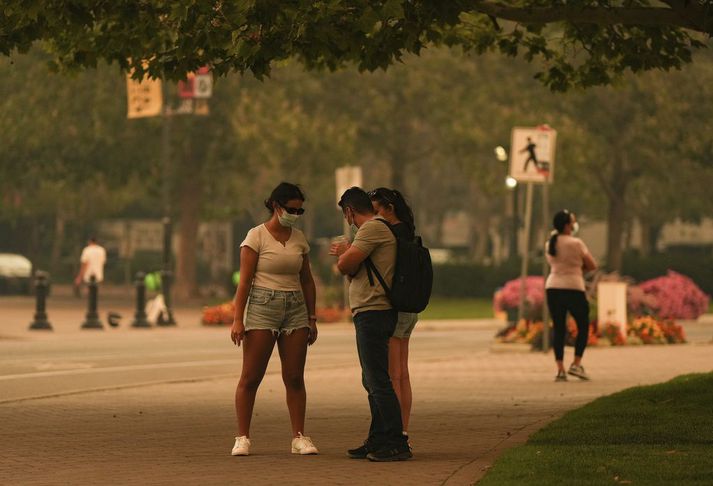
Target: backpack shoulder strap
{"type": "Point", "coordinates": [371, 271]}
{"type": "Point", "coordinates": [388, 225]}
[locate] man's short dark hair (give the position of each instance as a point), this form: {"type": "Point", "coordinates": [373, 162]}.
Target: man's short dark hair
{"type": "Point", "coordinates": [357, 199]}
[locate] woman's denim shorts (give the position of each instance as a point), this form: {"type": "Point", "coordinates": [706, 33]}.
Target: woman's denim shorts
{"type": "Point", "coordinates": [279, 311]}
{"type": "Point", "coordinates": [404, 326]}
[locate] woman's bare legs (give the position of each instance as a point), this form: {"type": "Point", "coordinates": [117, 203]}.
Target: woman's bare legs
{"type": "Point", "coordinates": [257, 348]}
{"type": "Point", "coordinates": [293, 354]}
{"type": "Point", "coordinates": [399, 374]}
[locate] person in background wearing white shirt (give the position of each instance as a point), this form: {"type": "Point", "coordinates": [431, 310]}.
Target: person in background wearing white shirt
{"type": "Point", "coordinates": [275, 302]}
{"type": "Point", "coordinates": [569, 258]}
{"type": "Point", "coordinates": [91, 263]}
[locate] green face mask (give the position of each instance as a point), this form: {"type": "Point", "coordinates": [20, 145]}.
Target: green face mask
{"type": "Point", "coordinates": [575, 228]}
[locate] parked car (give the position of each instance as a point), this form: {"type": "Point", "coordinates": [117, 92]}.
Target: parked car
{"type": "Point", "coordinates": [15, 274]}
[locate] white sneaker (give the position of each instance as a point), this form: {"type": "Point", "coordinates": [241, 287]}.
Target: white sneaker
{"type": "Point", "coordinates": [579, 372]}
{"type": "Point", "coordinates": [303, 445]}
{"type": "Point", "coordinates": [242, 446]}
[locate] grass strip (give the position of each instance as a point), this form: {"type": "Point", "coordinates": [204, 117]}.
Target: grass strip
{"type": "Point", "coordinates": [659, 434]}
{"type": "Point", "coordinates": [443, 308]}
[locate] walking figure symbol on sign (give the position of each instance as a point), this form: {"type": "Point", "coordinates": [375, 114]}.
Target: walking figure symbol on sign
{"type": "Point", "coordinates": [532, 154]}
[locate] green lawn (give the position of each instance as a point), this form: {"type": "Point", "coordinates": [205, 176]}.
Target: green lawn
{"type": "Point", "coordinates": [442, 308]}
{"type": "Point", "coordinates": [660, 434]}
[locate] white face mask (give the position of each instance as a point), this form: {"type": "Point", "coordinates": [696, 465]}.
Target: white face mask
{"type": "Point", "coordinates": [575, 228]}
{"type": "Point", "coordinates": [351, 224]}
{"type": "Point", "coordinates": [288, 220]}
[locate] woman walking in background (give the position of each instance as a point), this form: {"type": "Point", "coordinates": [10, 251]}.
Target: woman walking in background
{"type": "Point", "coordinates": [569, 259]}
{"type": "Point", "coordinates": [277, 287]}
{"type": "Point", "coordinates": [391, 206]}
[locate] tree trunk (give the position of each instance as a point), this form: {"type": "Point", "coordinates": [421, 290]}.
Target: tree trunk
{"type": "Point", "coordinates": [615, 231]}
{"type": "Point", "coordinates": [189, 204]}
{"type": "Point", "coordinates": [650, 233]}
{"type": "Point", "coordinates": [57, 241]}
{"type": "Point", "coordinates": [398, 167]}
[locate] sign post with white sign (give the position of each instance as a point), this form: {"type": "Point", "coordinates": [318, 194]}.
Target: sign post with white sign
{"type": "Point", "coordinates": [532, 160]}
{"type": "Point", "coordinates": [346, 177]}
{"type": "Point", "coordinates": [532, 154]}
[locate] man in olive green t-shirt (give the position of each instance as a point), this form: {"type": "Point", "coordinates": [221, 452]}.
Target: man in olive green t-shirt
{"type": "Point", "coordinates": [374, 322]}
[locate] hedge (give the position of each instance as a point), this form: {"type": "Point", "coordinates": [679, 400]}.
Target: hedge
{"type": "Point", "coordinates": [468, 279]}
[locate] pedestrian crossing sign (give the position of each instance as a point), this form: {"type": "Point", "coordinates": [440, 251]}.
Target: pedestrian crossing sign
{"type": "Point", "coordinates": [532, 154]}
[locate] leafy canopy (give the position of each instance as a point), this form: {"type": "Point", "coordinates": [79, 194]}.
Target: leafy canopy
{"type": "Point", "coordinates": [579, 43]}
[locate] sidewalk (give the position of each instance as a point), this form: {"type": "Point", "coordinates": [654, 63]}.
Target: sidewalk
{"type": "Point", "coordinates": [178, 426]}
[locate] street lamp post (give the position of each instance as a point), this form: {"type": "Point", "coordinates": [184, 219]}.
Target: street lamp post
{"type": "Point", "coordinates": [512, 185]}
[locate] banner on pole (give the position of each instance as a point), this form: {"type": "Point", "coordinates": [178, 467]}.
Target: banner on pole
{"type": "Point", "coordinates": [144, 98]}
{"type": "Point", "coordinates": [197, 85]}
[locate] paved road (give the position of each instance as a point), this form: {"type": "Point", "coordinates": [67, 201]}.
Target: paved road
{"type": "Point", "coordinates": [155, 406]}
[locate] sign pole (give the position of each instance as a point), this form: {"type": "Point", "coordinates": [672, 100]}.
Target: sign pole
{"type": "Point", "coordinates": [346, 177]}
{"type": "Point", "coordinates": [525, 252]}
{"type": "Point", "coordinates": [166, 273]}
{"type": "Point", "coordinates": [545, 268]}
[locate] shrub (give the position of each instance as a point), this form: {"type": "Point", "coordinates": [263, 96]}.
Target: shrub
{"type": "Point", "coordinates": [508, 297]}
{"type": "Point", "coordinates": [676, 296]}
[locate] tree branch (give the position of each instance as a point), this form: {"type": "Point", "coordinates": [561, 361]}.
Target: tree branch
{"type": "Point", "coordinates": [681, 14]}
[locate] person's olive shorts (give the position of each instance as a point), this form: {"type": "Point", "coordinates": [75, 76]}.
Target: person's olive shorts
{"type": "Point", "coordinates": [404, 326]}
{"type": "Point", "coordinates": [279, 311]}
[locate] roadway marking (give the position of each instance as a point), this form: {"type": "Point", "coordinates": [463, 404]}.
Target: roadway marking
{"type": "Point", "coordinates": [113, 369]}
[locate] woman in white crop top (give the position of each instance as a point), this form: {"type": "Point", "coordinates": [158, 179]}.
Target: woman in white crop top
{"type": "Point", "coordinates": [569, 258]}
{"type": "Point", "coordinates": [275, 303]}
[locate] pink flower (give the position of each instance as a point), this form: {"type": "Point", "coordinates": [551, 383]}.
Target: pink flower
{"type": "Point", "coordinates": [509, 296]}
{"type": "Point", "coordinates": [673, 296]}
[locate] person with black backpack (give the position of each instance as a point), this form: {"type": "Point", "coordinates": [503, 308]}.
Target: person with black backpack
{"type": "Point", "coordinates": [390, 205]}
{"type": "Point", "coordinates": [374, 247]}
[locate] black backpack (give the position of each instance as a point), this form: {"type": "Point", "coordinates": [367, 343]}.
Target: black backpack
{"type": "Point", "coordinates": [413, 275]}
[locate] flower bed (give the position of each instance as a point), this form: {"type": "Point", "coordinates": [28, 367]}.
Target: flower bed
{"type": "Point", "coordinates": [507, 299]}
{"type": "Point", "coordinates": [653, 305]}
{"type": "Point", "coordinates": [673, 296]}
{"type": "Point", "coordinates": [641, 330]}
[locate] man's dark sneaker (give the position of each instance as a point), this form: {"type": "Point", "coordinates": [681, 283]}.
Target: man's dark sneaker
{"type": "Point", "coordinates": [362, 451]}
{"type": "Point", "coordinates": [399, 452]}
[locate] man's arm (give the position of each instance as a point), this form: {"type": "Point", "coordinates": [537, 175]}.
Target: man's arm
{"type": "Point", "coordinates": [80, 275]}
{"type": "Point", "coordinates": [349, 261]}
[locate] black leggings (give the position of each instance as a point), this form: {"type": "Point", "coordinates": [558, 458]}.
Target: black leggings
{"type": "Point", "coordinates": [561, 301]}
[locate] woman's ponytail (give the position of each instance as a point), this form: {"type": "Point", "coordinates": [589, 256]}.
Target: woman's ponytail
{"type": "Point", "coordinates": [561, 219]}
{"type": "Point", "coordinates": [552, 245]}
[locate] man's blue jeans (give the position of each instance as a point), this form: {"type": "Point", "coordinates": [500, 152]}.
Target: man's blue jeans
{"type": "Point", "coordinates": [373, 330]}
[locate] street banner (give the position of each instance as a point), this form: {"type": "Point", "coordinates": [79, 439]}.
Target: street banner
{"type": "Point", "coordinates": [144, 98]}
{"type": "Point", "coordinates": [197, 85]}
{"type": "Point", "coordinates": [532, 154]}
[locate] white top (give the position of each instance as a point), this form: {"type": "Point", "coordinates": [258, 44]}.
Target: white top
{"type": "Point", "coordinates": [95, 258]}
{"type": "Point", "coordinates": [278, 266]}
{"type": "Point", "coordinates": [566, 266]}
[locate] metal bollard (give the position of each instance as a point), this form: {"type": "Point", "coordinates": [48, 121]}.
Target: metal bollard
{"type": "Point", "coordinates": [92, 318]}
{"type": "Point", "coordinates": [166, 277]}
{"type": "Point", "coordinates": [40, 322]}
{"type": "Point", "coordinates": [140, 316]}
